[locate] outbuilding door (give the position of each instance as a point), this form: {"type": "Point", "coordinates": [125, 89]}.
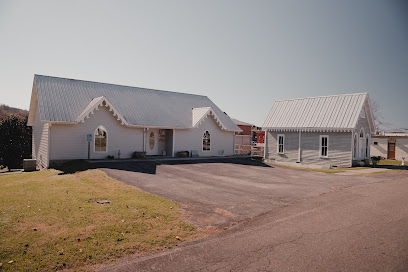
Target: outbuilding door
{"type": "Point", "coordinates": [391, 151]}
{"type": "Point", "coordinates": [361, 146]}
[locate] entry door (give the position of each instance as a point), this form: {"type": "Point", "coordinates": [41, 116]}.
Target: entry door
{"type": "Point", "coordinates": [152, 142]}
{"type": "Point", "coordinates": [391, 151]}
{"type": "Point", "coordinates": [361, 148]}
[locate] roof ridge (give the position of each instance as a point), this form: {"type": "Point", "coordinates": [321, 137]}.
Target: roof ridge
{"type": "Point", "coordinates": [120, 85]}
{"type": "Point", "coordinates": [322, 96]}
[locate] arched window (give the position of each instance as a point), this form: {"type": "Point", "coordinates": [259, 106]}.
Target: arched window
{"type": "Point", "coordinates": [101, 139]}
{"type": "Point", "coordinates": [362, 133]}
{"type": "Point", "coordinates": [355, 146]}
{"type": "Point", "coordinates": [206, 141]}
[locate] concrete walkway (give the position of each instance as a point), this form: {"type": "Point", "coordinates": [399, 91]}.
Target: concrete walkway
{"type": "Point", "coordinates": [361, 171]}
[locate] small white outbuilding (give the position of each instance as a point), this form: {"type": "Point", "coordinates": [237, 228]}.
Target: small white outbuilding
{"type": "Point", "coordinates": [74, 119]}
{"type": "Point", "coordinates": [320, 132]}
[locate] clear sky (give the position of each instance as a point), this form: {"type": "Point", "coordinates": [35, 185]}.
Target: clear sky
{"type": "Point", "coordinates": [243, 55]}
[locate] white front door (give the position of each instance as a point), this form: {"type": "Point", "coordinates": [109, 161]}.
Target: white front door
{"type": "Point", "coordinates": [361, 148]}
{"type": "Point", "coordinates": [152, 136]}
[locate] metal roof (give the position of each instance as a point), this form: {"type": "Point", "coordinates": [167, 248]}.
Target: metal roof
{"type": "Point", "coordinates": [336, 112]}
{"type": "Point", "coordinates": [241, 123]}
{"type": "Point", "coordinates": [64, 100]}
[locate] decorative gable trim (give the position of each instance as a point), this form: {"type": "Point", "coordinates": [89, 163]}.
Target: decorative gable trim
{"type": "Point", "coordinates": [200, 114]}
{"type": "Point", "coordinates": [94, 105]}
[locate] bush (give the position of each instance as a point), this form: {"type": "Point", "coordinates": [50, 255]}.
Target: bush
{"type": "Point", "coordinates": [138, 155]}
{"type": "Point", "coordinates": [15, 141]}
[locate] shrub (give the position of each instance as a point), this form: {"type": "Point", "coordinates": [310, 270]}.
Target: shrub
{"type": "Point", "coordinates": [15, 141]}
{"type": "Point", "coordinates": [138, 155]}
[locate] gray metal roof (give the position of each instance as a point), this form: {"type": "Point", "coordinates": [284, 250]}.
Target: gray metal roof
{"type": "Point", "coordinates": [330, 112]}
{"type": "Point", "coordinates": [241, 123]}
{"type": "Point", "coordinates": [63, 100]}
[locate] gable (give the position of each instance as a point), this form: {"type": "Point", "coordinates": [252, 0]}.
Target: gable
{"type": "Point", "coordinates": [200, 114]}
{"type": "Point", "coordinates": [95, 104]}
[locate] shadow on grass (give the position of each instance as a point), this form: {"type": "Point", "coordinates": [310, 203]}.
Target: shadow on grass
{"type": "Point", "coordinates": [74, 166]}
{"type": "Point", "coordinates": [148, 166]}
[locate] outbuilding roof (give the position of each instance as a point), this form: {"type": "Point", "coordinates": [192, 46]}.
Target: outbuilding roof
{"type": "Point", "coordinates": [69, 101]}
{"type": "Point", "coordinates": [335, 113]}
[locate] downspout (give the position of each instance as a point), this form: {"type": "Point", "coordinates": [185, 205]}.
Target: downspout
{"type": "Point", "coordinates": [265, 144]}
{"type": "Point", "coordinates": [49, 145]}
{"type": "Point", "coordinates": [174, 136]}
{"type": "Point", "coordinates": [300, 148]}
{"type": "Point", "coordinates": [144, 143]}
{"type": "Point", "coordinates": [233, 142]}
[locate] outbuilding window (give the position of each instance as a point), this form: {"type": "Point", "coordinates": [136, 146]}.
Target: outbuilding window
{"type": "Point", "coordinates": [324, 146]}
{"type": "Point", "coordinates": [355, 146]}
{"type": "Point", "coordinates": [281, 144]}
{"type": "Point", "coordinates": [101, 139]}
{"type": "Point", "coordinates": [206, 141]}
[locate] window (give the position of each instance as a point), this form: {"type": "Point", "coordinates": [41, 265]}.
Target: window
{"type": "Point", "coordinates": [101, 139]}
{"type": "Point", "coordinates": [362, 133]}
{"type": "Point", "coordinates": [324, 145]}
{"type": "Point", "coordinates": [281, 144]}
{"type": "Point", "coordinates": [206, 141]}
{"type": "Point", "coordinates": [355, 146]}
{"type": "Point", "coordinates": [375, 143]}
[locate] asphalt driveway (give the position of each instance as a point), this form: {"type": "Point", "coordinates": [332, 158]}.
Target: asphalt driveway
{"type": "Point", "coordinates": [218, 193]}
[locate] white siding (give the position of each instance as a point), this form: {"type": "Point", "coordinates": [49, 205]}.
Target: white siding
{"type": "Point", "coordinates": [339, 151]}
{"type": "Point", "coordinates": [192, 139]}
{"type": "Point", "coordinates": [401, 149]}
{"type": "Point", "coordinates": [69, 141]}
{"type": "Point", "coordinates": [40, 141]}
{"type": "Point", "coordinates": [381, 149]}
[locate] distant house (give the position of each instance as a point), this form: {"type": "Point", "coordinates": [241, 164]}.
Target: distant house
{"type": "Point", "coordinates": [116, 120]}
{"type": "Point", "coordinates": [390, 145]}
{"type": "Point", "coordinates": [243, 139]}
{"type": "Point", "coordinates": [320, 132]}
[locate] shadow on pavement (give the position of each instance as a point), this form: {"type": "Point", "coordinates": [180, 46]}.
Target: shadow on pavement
{"type": "Point", "coordinates": [399, 167]}
{"type": "Point", "coordinates": [148, 166]}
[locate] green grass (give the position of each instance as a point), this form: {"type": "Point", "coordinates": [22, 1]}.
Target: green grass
{"type": "Point", "coordinates": [389, 162]}
{"type": "Point", "coordinates": [50, 222]}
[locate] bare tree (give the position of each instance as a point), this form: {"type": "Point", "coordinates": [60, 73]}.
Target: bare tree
{"type": "Point", "coordinates": [377, 114]}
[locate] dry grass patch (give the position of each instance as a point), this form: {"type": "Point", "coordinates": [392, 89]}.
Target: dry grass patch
{"type": "Point", "coordinates": [50, 222]}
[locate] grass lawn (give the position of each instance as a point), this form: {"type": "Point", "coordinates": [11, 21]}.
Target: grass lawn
{"type": "Point", "coordinates": [390, 162]}
{"type": "Point", "coordinates": [50, 222]}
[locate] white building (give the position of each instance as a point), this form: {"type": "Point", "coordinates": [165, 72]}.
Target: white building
{"type": "Point", "coordinates": [69, 115]}
{"type": "Point", "coordinates": [320, 132]}
{"type": "Point", "coordinates": [390, 145]}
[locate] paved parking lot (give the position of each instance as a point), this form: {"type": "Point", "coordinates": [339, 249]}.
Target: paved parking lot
{"type": "Point", "coordinates": [219, 192]}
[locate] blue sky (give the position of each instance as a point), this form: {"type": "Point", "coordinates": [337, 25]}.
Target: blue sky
{"type": "Point", "coordinates": [243, 55]}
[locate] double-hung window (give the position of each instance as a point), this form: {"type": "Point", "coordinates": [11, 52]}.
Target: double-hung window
{"type": "Point", "coordinates": [281, 144]}
{"type": "Point", "coordinates": [324, 146]}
